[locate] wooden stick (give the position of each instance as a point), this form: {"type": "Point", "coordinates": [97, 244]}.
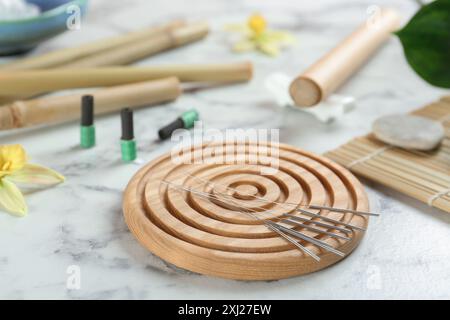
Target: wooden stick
{"type": "Point", "coordinates": [390, 168]}
{"type": "Point", "coordinates": [124, 50]}
{"type": "Point", "coordinates": [332, 70]}
{"type": "Point", "coordinates": [139, 50]}
{"type": "Point", "coordinates": [400, 183]}
{"type": "Point", "coordinates": [33, 82]}
{"type": "Point", "coordinates": [68, 55]}
{"type": "Point", "coordinates": [65, 108]}
{"type": "Point", "coordinates": [420, 162]}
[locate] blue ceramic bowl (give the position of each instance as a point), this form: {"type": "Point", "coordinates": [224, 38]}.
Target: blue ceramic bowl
{"type": "Point", "coordinates": [18, 36]}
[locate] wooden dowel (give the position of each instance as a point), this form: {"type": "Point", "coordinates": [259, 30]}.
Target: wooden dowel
{"type": "Point", "coordinates": [65, 108]}
{"type": "Point", "coordinates": [332, 70]}
{"type": "Point", "coordinates": [33, 82]}
{"type": "Point", "coordinates": [139, 50]}
{"type": "Point", "coordinates": [68, 55]}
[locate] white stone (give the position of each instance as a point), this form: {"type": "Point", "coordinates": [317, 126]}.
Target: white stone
{"type": "Point", "coordinates": [409, 132]}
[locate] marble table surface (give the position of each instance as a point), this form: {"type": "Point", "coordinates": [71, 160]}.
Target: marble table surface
{"type": "Point", "coordinates": [80, 224]}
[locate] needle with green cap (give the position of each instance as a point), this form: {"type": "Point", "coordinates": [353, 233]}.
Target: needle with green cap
{"type": "Point", "coordinates": [87, 129]}
{"type": "Point", "coordinates": [185, 121]}
{"type": "Point", "coordinates": [127, 142]}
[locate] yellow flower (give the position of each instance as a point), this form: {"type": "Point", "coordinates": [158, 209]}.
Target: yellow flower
{"type": "Point", "coordinates": [258, 37]}
{"type": "Point", "coordinates": [257, 23]}
{"type": "Point", "coordinates": [14, 169]}
{"type": "Point", "coordinates": [12, 158]}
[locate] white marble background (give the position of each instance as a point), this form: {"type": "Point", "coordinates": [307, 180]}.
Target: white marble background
{"type": "Point", "coordinates": [404, 254]}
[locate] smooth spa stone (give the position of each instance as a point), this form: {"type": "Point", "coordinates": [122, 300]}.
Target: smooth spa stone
{"type": "Point", "coordinates": [409, 132]}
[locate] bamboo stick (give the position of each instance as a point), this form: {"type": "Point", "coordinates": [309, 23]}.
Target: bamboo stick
{"type": "Point", "coordinates": [332, 70]}
{"type": "Point", "coordinates": [399, 155]}
{"type": "Point", "coordinates": [433, 160]}
{"type": "Point", "coordinates": [408, 171]}
{"type": "Point", "coordinates": [122, 50]}
{"type": "Point", "coordinates": [65, 108]}
{"type": "Point", "coordinates": [438, 169]}
{"type": "Point", "coordinates": [139, 50]}
{"type": "Point", "coordinates": [436, 159]}
{"type": "Point", "coordinates": [64, 56]}
{"type": "Point", "coordinates": [33, 82]}
{"type": "Point", "coordinates": [402, 185]}
{"type": "Point", "coordinates": [368, 170]}
{"type": "Point", "coordinates": [415, 173]}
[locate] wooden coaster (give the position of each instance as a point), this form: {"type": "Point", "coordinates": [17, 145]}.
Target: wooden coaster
{"type": "Point", "coordinates": [206, 236]}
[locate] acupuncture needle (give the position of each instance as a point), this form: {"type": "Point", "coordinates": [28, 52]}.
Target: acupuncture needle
{"type": "Point", "coordinates": [275, 225]}
{"type": "Point", "coordinates": [318, 223]}
{"type": "Point", "coordinates": [309, 239]}
{"type": "Point", "coordinates": [283, 204]}
{"type": "Point", "coordinates": [309, 213]}
{"type": "Point", "coordinates": [313, 206]}
{"type": "Point", "coordinates": [271, 227]}
{"type": "Point", "coordinates": [274, 228]}
{"type": "Point", "coordinates": [293, 241]}
{"type": "Point", "coordinates": [293, 232]}
{"type": "Point", "coordinates": [331, 234]}
{"type": "Point", "coordinates": [293, 204]}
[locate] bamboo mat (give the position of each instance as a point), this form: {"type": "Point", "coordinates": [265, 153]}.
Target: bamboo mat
{"type": "Point", "coordinates": [422, 175]}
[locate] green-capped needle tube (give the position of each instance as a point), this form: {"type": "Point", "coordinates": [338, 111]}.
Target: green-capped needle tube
{"type": "Point", "coordinates": [87, 130]}
{"type": "Point", "coordinates": [189, 118]}
{"type": "Point", "coordinates": [127, 142]}
{"type": "Point", "coordinates": [185, 121]}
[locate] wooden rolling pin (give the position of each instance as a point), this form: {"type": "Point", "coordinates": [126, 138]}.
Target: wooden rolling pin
{"type": "Point", "coordinates": [38, 81]}
{"type": "Point", "coordinates": [68, 55]}
{"type": "Point", "coordinates": [332, 70]}
{"type": "Point", "coordinates": [66, 108]}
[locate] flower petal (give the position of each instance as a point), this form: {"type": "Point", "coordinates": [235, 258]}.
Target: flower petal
{"type": "Point", "coordinates": [11, 199]}
{"type": "Point", "coordinates": [237, 28]}
{"type": "Point", "coordinates": [243, 46]}
{"type": "Point", "coordinates": [35, 175]}
{"type": "Point", "coordinates": [12, 157]}
{"type": "Point", "coordinates": [269, 48]}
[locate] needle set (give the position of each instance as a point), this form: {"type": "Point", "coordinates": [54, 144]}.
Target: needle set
{"type": "Point", "coordinates": [340, 230]}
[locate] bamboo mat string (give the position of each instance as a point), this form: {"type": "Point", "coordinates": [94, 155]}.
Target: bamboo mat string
{"type": "Point", "coordinates": [437, 196]}
{"type": "Point", "coordinates": [369, 156]}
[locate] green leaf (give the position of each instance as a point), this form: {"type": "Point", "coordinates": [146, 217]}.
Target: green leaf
{"type": "Point", "coordinates": [11, 199]}
{"type": "Point", "coordinates": [426, 43]}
